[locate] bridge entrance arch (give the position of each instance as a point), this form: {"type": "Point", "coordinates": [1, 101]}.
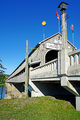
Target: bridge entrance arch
{"type": "Point", "coordinates": [51, 55]}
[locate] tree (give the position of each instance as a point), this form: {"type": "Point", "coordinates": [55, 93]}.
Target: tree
{"type": "Point", "coordinates": [2, 83]}
{"type": "Point", "coordinates": [2, 78]}
{"type": "Point", "coordinates": [1, 68]}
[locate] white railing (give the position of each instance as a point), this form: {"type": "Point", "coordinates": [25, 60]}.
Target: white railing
{"type": "Point", "coordinates": [46, 68]}
{"type": "Point", "coordinates": [74, 57]}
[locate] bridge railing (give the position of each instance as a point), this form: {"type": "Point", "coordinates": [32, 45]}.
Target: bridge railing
{"type": "Point", "coordinates": [17, 79]}
{"type": "Point", "coordinates": [46, 68]}
{"type": "Point", "coordinates": [74, 57]}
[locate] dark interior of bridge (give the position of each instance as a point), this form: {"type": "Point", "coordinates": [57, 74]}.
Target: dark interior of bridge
{"type": "Point", "coordinates": [51, 55]}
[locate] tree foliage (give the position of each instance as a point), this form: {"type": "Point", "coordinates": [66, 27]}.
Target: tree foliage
{"type": "Point", "coordinates": [2, 76]}
{"type": "Point", "coordinates": [1, 67]}
{"type": "Point", "coordinates": [2, 79]}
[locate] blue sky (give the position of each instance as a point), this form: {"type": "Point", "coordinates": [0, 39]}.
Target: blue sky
{"type": "Point", "coordinates": [20, 20]}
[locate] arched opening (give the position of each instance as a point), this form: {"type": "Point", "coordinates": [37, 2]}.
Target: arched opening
{"type": "Point", "coordinates": [51, 55]}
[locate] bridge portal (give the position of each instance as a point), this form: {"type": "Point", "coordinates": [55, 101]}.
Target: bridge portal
{"type": "Point", "coordinates": [51, 55]}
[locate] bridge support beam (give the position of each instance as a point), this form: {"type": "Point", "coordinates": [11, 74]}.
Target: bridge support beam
{"type": "Point", "coordinates": [36, 92]}
{"type": "Point", "coordinates": [68, 86]}
{"type": "Point", "coordinates": [77, 103]}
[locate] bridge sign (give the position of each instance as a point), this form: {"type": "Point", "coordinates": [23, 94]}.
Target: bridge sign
{"type": "Point", "coordinates": [53, 46]}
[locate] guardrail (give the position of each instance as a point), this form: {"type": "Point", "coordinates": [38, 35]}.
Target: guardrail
{"type": "Point", "coordinates": [47, 67]}
{"type": "Point", "coordinates": [74, 57]}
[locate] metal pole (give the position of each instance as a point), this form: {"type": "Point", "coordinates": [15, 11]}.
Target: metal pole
{"type": "Point", "coordinates": [59, 25]}
{"type": "Point", "coordinates": [73, 37]}
{"type": "Point", "coordinates": [43, 32]}
{"type": "Point", "coordinates": [26, 70]}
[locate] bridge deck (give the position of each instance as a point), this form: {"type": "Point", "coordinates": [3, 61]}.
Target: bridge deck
{"type": "Point", "coordinates": [49, 71]}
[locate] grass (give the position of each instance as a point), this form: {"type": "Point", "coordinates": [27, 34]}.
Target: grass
{"type": "Point", "coordinates": [40, 108]}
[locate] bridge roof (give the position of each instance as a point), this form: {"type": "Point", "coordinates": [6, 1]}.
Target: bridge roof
{"type": "Point", "coordinates": [48, 39]}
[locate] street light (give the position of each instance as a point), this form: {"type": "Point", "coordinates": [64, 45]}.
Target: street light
{"type": "Point", "coordinates": [63, 6]}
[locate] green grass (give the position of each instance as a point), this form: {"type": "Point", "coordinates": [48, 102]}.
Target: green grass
{"type": "Point", "coordinates": [41, 108]}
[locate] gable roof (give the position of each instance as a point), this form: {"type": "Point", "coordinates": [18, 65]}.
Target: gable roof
{"type": "Point", "coordinates": [48, 39]}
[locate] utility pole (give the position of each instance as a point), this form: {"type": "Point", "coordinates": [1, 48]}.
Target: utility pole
{"type": "Point", "coordinates": [26, 70]}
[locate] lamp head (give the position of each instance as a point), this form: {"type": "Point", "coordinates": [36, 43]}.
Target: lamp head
{"type": "Point", "coordinates": [63, 6]}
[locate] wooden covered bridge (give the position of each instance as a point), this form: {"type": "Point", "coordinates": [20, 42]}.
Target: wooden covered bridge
{"type": "Point", "coordinates": [54, 69]}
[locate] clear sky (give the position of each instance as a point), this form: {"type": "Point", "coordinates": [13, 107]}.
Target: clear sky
{"type": "Point", "coordinates": [20, 20]}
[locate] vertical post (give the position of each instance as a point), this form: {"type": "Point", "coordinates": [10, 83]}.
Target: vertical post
{"type": "Point", "coordinates": [72, 60]}
{"type": "Point", "coordinates": [64, 30]}
{"type": "Point", "coordinates": [43, 23]}
{"type": "Point", "coordinates": [78, 103]}
{"type": "Point", "coordinates": [43, 32]}
{"type": "Point", "coordinates": [64, 59]}
{"type": "Point", "coordinates": [26, 70]}
{"type": "Point", "coordinates": [76, 59]}
{"type": "Point", "coordinates": [64, 51]}
{"type": "Point", "coordinates": [73, 37]}
{"type": "Point", "coordinates": [59, 25]}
